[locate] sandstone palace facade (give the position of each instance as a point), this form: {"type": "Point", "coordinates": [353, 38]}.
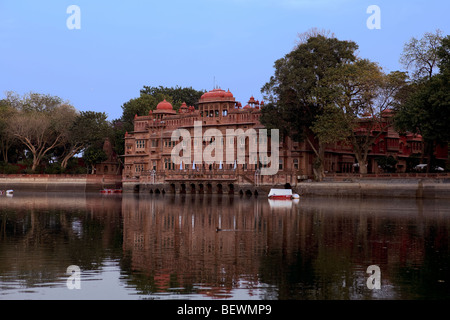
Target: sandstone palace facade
{"type": "Point", "coordinates": [148, 163]}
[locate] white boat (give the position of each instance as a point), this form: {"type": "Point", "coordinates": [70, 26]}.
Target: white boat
{"type": "Point", "coordinates": [282, 194]}
{"type": "Point", "coordinates": [8, 193]}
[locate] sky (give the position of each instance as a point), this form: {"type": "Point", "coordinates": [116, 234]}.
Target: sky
{"type": "Point", "coordinates": [121, 46]}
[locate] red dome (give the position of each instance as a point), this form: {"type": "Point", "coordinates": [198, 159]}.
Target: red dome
{"type": "Point", "coordinates": [217, 93]}
{"type": "Point", "coordinates": [164, 105]}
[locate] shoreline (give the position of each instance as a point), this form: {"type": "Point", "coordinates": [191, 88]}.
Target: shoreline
{"type": "Point", "coordinates": [419, 188]}
{"type": "Point", "coordinates": [58, 182]}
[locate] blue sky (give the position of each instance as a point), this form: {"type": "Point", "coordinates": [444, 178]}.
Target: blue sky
{"type": "Point", "coordinates": [124, 45]}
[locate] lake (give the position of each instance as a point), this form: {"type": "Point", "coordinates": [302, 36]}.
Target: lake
{"type": "Point", "coordinates": [93, 246]}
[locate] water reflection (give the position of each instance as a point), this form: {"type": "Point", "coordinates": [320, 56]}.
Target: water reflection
{"type": "Point", "coordinates": [209, 246]}
{"type": "Point", "coordinates": [316, 249]}
{"type": "Point", "coordinates": [42, 234]}
{"type": "Point", "coordinates": [175, 242]}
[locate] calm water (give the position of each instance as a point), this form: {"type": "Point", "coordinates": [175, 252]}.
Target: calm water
{"type": "Point", "coordinates": [168, 247]}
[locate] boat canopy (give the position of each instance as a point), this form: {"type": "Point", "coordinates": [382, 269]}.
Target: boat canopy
{"type": "Point", "coordinates": [280, 192]}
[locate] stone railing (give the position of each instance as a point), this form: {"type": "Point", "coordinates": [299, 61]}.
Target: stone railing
{"type": "Point", "coordinates": [239, 175]}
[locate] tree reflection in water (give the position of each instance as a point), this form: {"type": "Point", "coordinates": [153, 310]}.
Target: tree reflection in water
{"type": "Point", "coordinates": [170, 246]}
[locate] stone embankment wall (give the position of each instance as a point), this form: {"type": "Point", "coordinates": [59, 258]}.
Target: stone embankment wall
{"type": "Point", "coordinates": [58, 182]}
{"type": "Point", "coordinates": [428, 188]}
{"type": "Point", "coordinates": [392, 188]}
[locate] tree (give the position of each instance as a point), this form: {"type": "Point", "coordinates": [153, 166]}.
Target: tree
{"type": "Point", "coordinates": [178, 94]}
{"type": "Point", "coordinates": [444, 56]}
{"type": "Point", "coordinates": [387, 163]}
{"type": "Point", "coordinates": [426, 109]}
{"type": "Point", "coordinates": [6, 139]}
{"type": "Point", "coordinates": [421, 55]}
{"type": "Point", "coordinates": [363, 96]}
{"type": "Point", "coordinates": [427, 112]}
{"type": "Point", "coordinates": [117, 136]}
{"type": "Point", "coordinates": [41, 123]}
{"type": "Point", "coordinates": [297, 94]}
{"type": "Point", "coordinates": [94, 154]}
{"type": "Point", "coordinates": [88, 128]}
{"type": "Point", "coordinates": [137, 106]}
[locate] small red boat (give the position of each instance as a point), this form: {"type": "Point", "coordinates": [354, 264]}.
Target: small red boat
{"type": "Point", "coordinates": [111, 191]}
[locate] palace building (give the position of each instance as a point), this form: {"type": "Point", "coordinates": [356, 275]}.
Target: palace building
{"type": "Point", "coordinates": [148, 149]}
{"type": "Point", "coordinates": [149, 146]}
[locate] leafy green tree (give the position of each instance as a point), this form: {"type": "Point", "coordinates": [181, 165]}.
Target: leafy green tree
{"type": "Point", "coordinates": [177, 94]}
{"type": "Point", "coordinates": [137, 106]}
{"type": "Point", "coordinates": [426, 110]}
{"type": "Point", "coordinates": [444, 56]}
{"type": "Point", "coordinates": [6, 139]}
{"type": "Point", "coordinates": [387, 163]}
{"type": "Point", "coordinates": [88, 128]}
{"type": "Point", "coordinates": [93, 155]}
{"type": "Point", "coordinates": [360, 97]}
{"type": "Point", "coordinates": [117, 136]}
{"type": "Point", "coordinates": [297, 94]}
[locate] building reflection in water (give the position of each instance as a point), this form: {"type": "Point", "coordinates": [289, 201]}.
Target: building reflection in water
{"type": "Point", "coordinates": [176, 241]}
{"type": "Point", "coordinates": [169, 245]}
{"type": "Point", "coordinates": [313, 249]}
